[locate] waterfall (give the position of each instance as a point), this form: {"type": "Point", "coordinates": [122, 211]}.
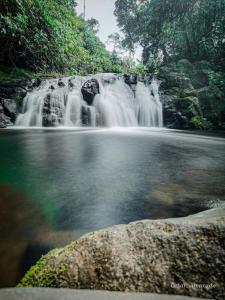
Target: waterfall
{"type": "Point", "coordinates": [117, 103]}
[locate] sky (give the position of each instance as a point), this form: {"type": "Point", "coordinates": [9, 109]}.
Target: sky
{"type": "Point", "coordinates": [102, 10]}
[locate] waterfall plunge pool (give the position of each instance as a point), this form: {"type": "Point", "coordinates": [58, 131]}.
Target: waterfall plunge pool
{"type": "Point", "coordinates": [55, 185]}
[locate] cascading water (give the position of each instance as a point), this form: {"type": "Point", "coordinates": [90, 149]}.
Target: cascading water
{"type": "Point", "coordinates": [62, 103]}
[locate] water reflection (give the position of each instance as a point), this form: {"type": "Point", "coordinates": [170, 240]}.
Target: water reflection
{"type": "Point", "coordinates": [56, 185]}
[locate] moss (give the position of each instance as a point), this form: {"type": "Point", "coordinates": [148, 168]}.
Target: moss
{"type": "Point", "coordinates": [40, 275]}
{"type": "Point", "coordinates": [9, 74]}
{"type": "Point", "coordinates": [197, 122]}
{"type": "Point", "coordinates": [43, 274]}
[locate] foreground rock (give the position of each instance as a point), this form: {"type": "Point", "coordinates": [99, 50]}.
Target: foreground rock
{"type": "Point", "coordinates": [183, 256]}
{"type": "Point", "coordinates": [65, 294]}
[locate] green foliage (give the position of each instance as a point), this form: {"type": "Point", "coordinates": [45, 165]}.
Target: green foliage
{"type": "Point", "coordinates": [197, 123]}
{"type": "Point", "coordinates": [218, 79]}
{"type": "Point", "coordinates": [93, 25]}
{"type": "Point", "coordinates": [169, 30]}
{"type": "Point", "coordinates": [216, 99]}
{"type": "Point", "coordinates": [46, 35]}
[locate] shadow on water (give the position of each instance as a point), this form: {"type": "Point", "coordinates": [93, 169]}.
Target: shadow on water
{"type": "Point", "coordinates": [16, 212]}
{"type": "Point", "coordinates": [25, 235]}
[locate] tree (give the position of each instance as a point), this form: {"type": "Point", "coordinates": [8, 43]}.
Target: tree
{"type": "Point", "coordinates": [115, 40]}
{"type": "Point", "coordinates": [173, 29]}
{"type": "Point", "coordinates": [93, 25]}
{"type": "Point", "coordinates": [84, 9]}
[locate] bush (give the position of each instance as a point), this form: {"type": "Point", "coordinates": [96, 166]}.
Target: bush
{"type": "Point", "coordinates": [46, 35]}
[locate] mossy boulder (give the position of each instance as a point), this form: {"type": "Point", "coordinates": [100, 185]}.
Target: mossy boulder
{"type": "Point", "coordinates": [184, 66]}
{"type": "Point", "coordinates": [176, 79]}
{"type": "Point", "coordinates": [163, 256]}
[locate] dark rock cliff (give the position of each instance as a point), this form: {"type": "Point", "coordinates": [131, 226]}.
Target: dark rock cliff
{"type": "Point", "coordinates": [190, 99]}
{"type": "Point", "coordinates": [11, 95]}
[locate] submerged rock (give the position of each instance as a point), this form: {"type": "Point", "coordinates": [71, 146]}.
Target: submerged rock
{"type": "Point", "coordinates": [89, 90]}
{"type": "Point", "coordinates": [176, 256]}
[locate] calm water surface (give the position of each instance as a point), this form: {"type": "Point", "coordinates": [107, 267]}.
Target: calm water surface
{"type": "Point", "coordinates": [58, 184]}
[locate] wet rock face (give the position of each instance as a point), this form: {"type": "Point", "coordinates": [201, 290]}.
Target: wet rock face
{"type": "Point", "coordinates": [11, 95]}
{"type": "Point", "coordinates": [53, 111]}
{"type": "Point", "coordinates": [89, 90]}
{"type": "Point", "coordinates": [10, 108]}
{"type": "Point", "coordinates": [163, 256]}
{"type": "Point", "coordinates": [8, 112]}
{"type": "Point", "coordinates": [85, 116]}
{"type": "Point", "coordinates": [172, 118]}
{"type": "Point", "coordinates": [4, 120]}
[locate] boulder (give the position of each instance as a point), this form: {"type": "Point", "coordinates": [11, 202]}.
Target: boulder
{"type": "Point", "coordinates": [68, 294]}
{"type": "Point", "coordinates": [7, 112]}
{"type": "Point", "coordinates": [184, 110]}
{"type": "Point", "coordinates": [10, 108]}
{"type": "Point", "coordinates": [131, 79]}
{"type": "Point", "coordinates": [89, 90]}
{"type": "Point", "coordinates": [172, 118]}
{"type": "Point", "coordinates": [61, 83]}
{"type": "Point", "coordinates": [179, 80]}
{"type": "Point", "coordinates": [14, 90]}
{"type": "Point", "coordinates": [181, 113]}
{"type": "Point", "coordinates": [184, 256]}
{"type": "Point", "coordinates": [184, 65]}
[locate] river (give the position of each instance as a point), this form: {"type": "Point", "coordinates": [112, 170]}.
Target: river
{"type": "Point", "coordinates": [58, 184]}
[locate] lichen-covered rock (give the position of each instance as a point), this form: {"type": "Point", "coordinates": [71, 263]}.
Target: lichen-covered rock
{"type": "Point", "coordinates": [176, 256]}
